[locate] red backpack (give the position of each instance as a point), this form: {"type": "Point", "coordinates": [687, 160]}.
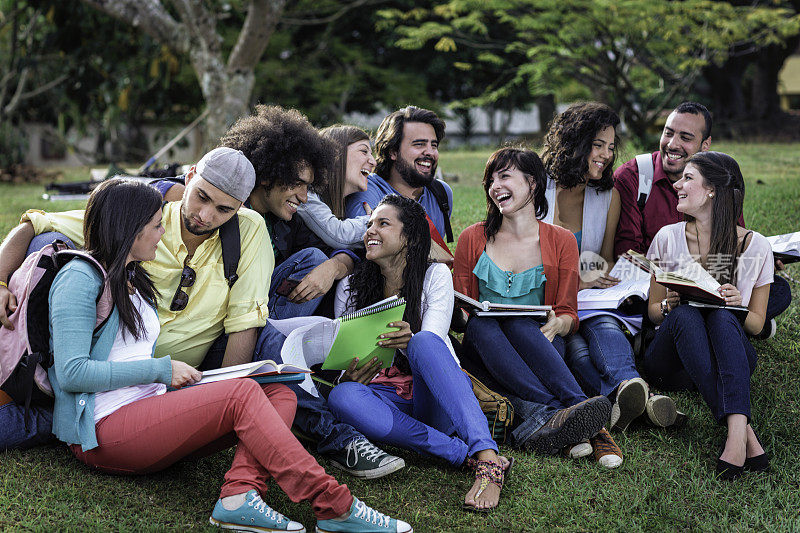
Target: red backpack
{"type": "Point", "coordinates": [25, 352]}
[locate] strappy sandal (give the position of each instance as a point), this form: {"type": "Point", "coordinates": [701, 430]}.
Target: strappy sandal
{"type": "Point", "coordinates": [487, 472]}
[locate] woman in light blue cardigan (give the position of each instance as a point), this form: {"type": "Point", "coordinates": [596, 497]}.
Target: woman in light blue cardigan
{"type": "Point", "coordinates": [112, 405]}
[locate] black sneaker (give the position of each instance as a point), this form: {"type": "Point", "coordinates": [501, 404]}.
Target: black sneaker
{"type": "Point", "coordinates": [363, 459]}
{"type": "Point", "coordinates": [570, 426]}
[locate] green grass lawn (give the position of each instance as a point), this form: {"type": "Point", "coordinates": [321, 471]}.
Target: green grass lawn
{"type": "Point", "coordinates": [665, 483]}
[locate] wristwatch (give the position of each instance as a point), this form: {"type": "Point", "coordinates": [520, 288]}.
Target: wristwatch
{"type": "Point", "coordinates": [664, 307]}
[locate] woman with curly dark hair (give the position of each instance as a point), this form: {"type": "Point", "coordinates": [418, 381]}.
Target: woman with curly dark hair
{"type": "Point", "coordinates": [385, 406]}
{"type": "Point", "coordinates": [514, 258]}
{"type": "Point", "coordinates": [579, 155]}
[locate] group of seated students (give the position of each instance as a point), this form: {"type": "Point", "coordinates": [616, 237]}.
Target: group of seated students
{"type": "Point", "coordinates": [314, 208]}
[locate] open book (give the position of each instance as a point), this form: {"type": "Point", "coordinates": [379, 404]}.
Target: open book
{"type": "Point", "coordinates": [262, 371]}
{"type": "Point", "coordinates": [634, 284]}
{"type": "Point", "coordinates": [786, 247]}
{"type": "Point", "coordinates": [477, 308]}
{"type": "Point", "coordinates": [692, 281]}
{"type": "Point", "coordinates": [312, 340]}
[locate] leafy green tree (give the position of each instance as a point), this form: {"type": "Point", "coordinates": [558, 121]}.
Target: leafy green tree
{"type": "Point", "coordinates": [636, 55]}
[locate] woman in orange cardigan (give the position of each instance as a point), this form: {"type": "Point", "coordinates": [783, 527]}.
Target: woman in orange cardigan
{"type": "Point", "coordinates": [513, 258]}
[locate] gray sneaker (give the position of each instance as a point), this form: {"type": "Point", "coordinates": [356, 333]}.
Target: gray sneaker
{"type": "Point", "coordinates": [361, 458]}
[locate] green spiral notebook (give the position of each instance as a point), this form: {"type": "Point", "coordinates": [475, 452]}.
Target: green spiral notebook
{"type": "Point", "coordinates": [358, 332]}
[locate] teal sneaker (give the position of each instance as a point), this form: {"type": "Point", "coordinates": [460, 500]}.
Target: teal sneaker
{"type": "Point", "coordinates": [254, 515]}
{"type": "Point", "coordinates": [363, 519]}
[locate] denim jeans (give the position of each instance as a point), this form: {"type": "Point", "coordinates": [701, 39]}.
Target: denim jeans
{"type": "Point", "coordinates": [12, 416]}
{"type": "Point", "coordinates": [12, 426]}
{"type": "Point", "coordinates": [442, 405]}
{"type": "Point", "coordinates": [313, 416]}
{"type": "Point", "coordinates": [780, 296]}
{"type": "Point", "coordinates": [521, 360]}
{"type": "Point", "coordinates": [529, 417]}
{"type": "Point", "coordinates": [707, 349]}
{"type": "Point", "coordinates": [270, 340]}
{"type": "Point", "coordinates": [600, 355]}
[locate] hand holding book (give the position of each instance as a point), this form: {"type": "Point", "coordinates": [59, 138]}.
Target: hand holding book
{"type": "Point", "coordinates": [363, 375]}
{"type": "Point", "coordinates": [398, 339]}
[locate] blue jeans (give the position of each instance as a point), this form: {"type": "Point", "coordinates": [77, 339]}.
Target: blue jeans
{"type": "Point", "coordinates": [43, 239]}
{"type": "Point", "coordinates": [529, 417]}
{"type": "Point", "coordinates": [12, 426]}
{"type": "Point", "coordinates": [313, 416]}
{"type": "Point", "coordinates": [780, 296]}
{"type": "Point", "coordinates": [442, 405]}
{"type": "Point", "coordinates": [707, 350]}
{"type": "Point", "coordinates": [521, 359]}
{"type": "Point", "coordinates": [12, 416]}
{"type": "Point", "coordinates": [270, 340]}
{"type": "Point", "coordinates": [600, 355]}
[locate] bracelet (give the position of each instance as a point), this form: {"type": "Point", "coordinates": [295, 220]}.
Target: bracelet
{"type": "Point", "coordinates": [664, 307]}
{"type": "Point", "coordinates": [3, 284]}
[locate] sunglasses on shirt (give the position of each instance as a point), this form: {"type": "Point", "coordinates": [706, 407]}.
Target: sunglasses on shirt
{"type": "Point", "coordinates": [181, 298]}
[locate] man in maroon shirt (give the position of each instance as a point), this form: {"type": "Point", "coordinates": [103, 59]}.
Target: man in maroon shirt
{"type": "Point", "coordinates": [687, 131]}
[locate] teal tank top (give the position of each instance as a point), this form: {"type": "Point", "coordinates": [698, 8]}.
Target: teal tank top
{"type": "Point", "coordinates": [504, 287]}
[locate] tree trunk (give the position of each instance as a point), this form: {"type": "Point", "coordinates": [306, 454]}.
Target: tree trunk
{"type": "Point", "coordinates": [226, 87]}
{"type": "Point", "coordinates": [547, 110]}
{"type": "Point", "coordinates": [765, 102]}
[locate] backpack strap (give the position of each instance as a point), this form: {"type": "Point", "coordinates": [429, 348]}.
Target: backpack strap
{"type": "Point", "coordinates": [645, 164]}
{"type": "Point", "coordinates": [231, 249]}
{"type": "Point", "coordinates": [104, 300]}
{"type": "Point", "coordinates": [437, 190]}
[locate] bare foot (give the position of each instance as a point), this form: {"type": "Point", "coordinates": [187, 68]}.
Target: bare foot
{"type": "Point", "coordinates": [735, 450]}
{"type": "Point", "coordinates": [754, 447]}
{"type": "Point", "coordinates": [483, 494]}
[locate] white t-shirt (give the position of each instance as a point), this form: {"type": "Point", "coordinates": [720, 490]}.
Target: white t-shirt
{"type": "Point", "coordinates": [755, 266]}
{"type": "Point", "coordinates": [437, 301]}
{"type": "Point", "coordinates": [127, 348]}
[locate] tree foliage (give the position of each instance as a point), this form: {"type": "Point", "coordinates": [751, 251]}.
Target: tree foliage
{"type": "Point", "coordinates": [636, 55]}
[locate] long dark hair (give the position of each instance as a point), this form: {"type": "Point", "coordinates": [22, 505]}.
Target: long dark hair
{"type": "Point", "coordinates": [343, 136]}
{"type": "Point", "coordinates": [366, 283]}
{"type": "Point", "coordinates": [116, 213]}
{"type": "Point", "coordinates": [390, 133]}
{"type": "Point", "coordinates": [568, 144]}
{"type": "Point", "coordinates": [721, 172]}
{"type": "Point", "coordinates": [527, 162]}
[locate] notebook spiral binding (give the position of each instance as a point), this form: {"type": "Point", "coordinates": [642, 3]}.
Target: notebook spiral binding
{"type": "Point", "coordinates": [373, 310]}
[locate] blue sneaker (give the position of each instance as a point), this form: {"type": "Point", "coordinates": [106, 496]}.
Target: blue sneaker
{"type": "Point", "coordinates": [363, 519]}
{"type": "Point", "coordinates": [254, 515]}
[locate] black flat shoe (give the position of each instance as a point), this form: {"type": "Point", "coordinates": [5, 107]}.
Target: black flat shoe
{"type": "Point", "coordinates": [759, 463]}
{"type": "Point", "coordinates": [727, 471]}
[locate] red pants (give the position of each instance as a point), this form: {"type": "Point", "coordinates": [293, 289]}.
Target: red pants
{"type": "Point", "coordinates": [151, 434]}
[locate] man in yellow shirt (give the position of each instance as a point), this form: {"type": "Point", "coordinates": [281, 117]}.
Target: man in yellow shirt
{"type": "Point", "coordinates": [196, 305]}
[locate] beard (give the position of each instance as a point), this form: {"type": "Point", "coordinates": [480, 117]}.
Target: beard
{"type": "Point", "coordinates": [410, 174]}
{"type": "Point", "coordinates": [192, 227]}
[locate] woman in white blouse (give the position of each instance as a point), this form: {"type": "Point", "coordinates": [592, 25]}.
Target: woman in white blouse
{"type": "Point", "coordinates": [709, 349]}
